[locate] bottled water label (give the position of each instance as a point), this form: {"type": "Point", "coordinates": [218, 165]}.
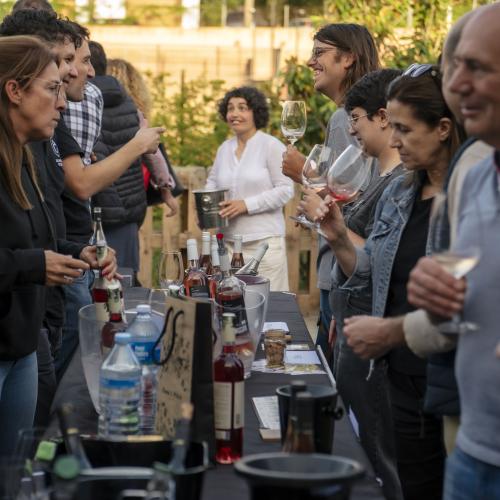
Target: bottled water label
{"type": "Point", "coordinates": [120, 385]}
{"type": "Point", "coordinates": [144, 352]}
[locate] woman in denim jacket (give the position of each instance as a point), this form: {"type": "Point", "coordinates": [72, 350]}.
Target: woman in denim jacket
{"type": "Point", "coordinates": [426, 135]}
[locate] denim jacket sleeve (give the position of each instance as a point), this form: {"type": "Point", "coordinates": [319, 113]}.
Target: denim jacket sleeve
{"type": "Point", "coordinates": [361, 281]}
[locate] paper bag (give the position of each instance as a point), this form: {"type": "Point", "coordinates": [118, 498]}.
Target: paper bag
{"type": "Point", "coordinates": [186, 369]}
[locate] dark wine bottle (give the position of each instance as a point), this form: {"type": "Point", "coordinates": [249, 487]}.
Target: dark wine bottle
{"type": "Point", "coordinates": [296, 386]}
{"type": "Point", "coordinates": [71, 436]}
{"type": "Point", "coordinates": [303, 435]}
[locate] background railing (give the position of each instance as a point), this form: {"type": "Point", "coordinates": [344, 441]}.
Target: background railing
{"type": "Point", "coordinates": [161, 233]}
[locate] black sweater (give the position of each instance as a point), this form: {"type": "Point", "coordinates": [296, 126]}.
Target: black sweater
{"type": "Point", "coordinates": [24, 236]}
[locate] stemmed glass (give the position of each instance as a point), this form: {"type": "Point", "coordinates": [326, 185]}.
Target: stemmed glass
{"type": "Point", "coordinates": [348, 174]}
{"type": "Point", "coordinates": [293, 120]}
{"type": "Point", "coordinates": [314, 173]}
{"type": "Point", "coordinates": [456, 261]}
{"type": "Point", "coordinates": [171, 270]}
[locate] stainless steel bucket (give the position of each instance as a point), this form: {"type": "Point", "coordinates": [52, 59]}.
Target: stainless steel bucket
{"type": "Point", "coordinates": [207, 207]}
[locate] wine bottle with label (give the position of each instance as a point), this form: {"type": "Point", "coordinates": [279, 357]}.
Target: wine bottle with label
{"type": "Point", "coordinates": [237, 262]}
{"type": "Point", "coordinates": [216, 275]}
{"type": "Point", "coordinates": [100, 286]}
{"type": "Point", "coordinates": [230, 292]}
{"type": "Point", "coordinates": [116, 321]}
{"type": "Point", "coordinates": [195, 281]}
{"type": "Point", "coordinates": [229, 397]}
{"type": "Point", "coordinates": [206, 257]}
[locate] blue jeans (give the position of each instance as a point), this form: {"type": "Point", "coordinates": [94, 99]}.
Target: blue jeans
{"type": "Point", "coordinates": [18, 389]}
{"type": "Point", "coordinates": [470, 479]}
{"type": "Point", "coordinates": [77, 295]}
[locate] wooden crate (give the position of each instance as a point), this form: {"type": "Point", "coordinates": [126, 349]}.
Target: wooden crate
{"type": "Point", "coordinates": [173, 232]}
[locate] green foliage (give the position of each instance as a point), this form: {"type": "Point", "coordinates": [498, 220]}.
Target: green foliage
{"type": "Point", "coordinates": [193, 129]}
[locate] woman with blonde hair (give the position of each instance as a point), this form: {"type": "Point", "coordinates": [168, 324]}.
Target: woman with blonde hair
{"type": "Point", "coordinates": [32, 99]}
{"type": "Point", "coordinates": [136, 87]}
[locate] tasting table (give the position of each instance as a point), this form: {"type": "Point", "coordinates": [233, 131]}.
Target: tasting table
{"type": "Point", "coordinates": [222, 482]}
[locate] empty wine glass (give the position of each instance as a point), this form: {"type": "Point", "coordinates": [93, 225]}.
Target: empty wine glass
{"type": "Point", "coordinates": [349, 173]}
{"type": "Point", "coordinates": [293, 120]}
{"type": "Point", "coordinates": [456, 261]}
{"type": "Point", "coordinates": [171, 270]}
{"type": "Point", "coordinates": [314, 173]}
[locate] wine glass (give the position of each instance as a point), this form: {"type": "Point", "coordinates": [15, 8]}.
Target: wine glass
{"type": "Point", "coordinates": [314, 173]}
{"type": "Point", "coordinates": [293, 120]}
{"type": "Point", "coordinates": [349, 173]}
{"type": "Point", "coordinates": [456, 261]}
{"type": "Point", "coordinates": [171, 270]}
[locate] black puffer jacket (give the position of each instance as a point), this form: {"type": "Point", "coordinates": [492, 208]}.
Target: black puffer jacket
{"type": "Point", "coordinates": [125, 200]}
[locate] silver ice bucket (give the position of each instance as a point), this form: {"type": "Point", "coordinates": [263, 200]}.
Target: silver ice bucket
{"type": "Point", "coordinates": [207, 207]}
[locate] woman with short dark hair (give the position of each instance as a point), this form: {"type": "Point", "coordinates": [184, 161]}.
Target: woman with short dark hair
{"type": "Point", "coordinates": [249, 166]}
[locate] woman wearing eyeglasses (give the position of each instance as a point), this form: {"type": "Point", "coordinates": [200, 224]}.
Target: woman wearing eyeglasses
{"type": "Point", "coordinates": [425, 133]}
{"type": "Point", "coordinates": [31, 104]}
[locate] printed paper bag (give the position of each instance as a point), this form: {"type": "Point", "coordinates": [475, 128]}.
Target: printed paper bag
{"type": "Point", "coordinates": [186, 369]}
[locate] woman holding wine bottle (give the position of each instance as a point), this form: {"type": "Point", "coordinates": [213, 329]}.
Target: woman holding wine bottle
{"type": "Point", "coordinates": [249, 166]}
{"type": "Point", "coordinates": [426, 135]}
{"type": "Point", "coordinates": [30, 108]}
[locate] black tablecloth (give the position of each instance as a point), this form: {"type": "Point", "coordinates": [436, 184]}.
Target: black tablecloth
{"type": "Point", "coordinates": [222, 482]}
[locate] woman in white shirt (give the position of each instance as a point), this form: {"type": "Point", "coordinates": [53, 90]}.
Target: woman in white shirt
{"type": "Point", "coordinates": [249, 166]}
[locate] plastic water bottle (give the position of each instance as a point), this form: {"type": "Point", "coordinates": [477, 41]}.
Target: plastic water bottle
{"type": "Point", "coordinates": [145, 333]}
{"type": "Point", "coordinates": [120, 390]}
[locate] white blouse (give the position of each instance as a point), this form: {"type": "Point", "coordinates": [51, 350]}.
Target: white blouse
{"type": "Point", "coordinates": [257, 179]}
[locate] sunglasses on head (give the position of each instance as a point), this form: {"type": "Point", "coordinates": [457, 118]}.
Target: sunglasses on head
{"type": "Point", "coordinates": [415, 70]}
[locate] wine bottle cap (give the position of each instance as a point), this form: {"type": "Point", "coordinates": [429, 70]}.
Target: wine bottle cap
{"type": "Point", "coordinates": [122, 338]}
{"type": "Point", "coordinates": [205, 235]}
{"type": "Point", "coordinates": [143, 309]}
{"type": "Point", "coordinates": [215, 254]}
{"type": "Point", "coordinates": [225, 265]}
{"type": "Point", "coordinates": [192, 249]}
{"type": "Point", "coordinates": [97, 210]}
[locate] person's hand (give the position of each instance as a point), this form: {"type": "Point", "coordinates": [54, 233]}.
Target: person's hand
{"type": "Point", "coordinates": [109, 263]}
{"type": "Point", "coordinates": [331, 220]}
{"type": "Point", "coordinates": [232, 208]}
{"type": "Point", "coordinates": [371, 337]}
{"type": "Point", "coordinates": [309, 204]}
{"type": "Point", "coordinates": [62, 269]}
{"type": "Point", "coordinates": [293, 162]}
{"type": "Point", "coordinates": [148, 139]}
{"type": "Point", "coordinates": [431, 288]}
{"type": "Point", "coordinates": [169, 200]}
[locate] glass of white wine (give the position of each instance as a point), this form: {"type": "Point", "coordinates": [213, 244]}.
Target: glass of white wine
{"type": "Point", "coordinates": [456, 261]}
{"type": "Point", "coordinates": [293, 120]}
{"type": "Point", "coordinates": [314, 174]}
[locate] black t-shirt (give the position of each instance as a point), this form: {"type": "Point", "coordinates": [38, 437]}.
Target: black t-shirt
{"type": "Point", "coordinates": [76, 211]}
{"type": "Point", "coordinates": [411, 248]}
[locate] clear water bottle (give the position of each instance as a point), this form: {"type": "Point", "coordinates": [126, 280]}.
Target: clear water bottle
{"type": "Point", "coordinates": [145, 333]}
{"type": "Point", "coordinates": [120, 390]}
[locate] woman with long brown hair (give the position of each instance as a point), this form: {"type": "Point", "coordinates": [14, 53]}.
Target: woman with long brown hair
{"type": "Point", "coordinates": [32, 98]}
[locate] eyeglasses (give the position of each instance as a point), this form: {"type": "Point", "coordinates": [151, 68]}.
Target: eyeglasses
{"type": "Point", "coordinates": [54, 89]}
{"type": "Point", "coordinates": [415, 70]}
{"type": "Point", "coordinates": [317, 52]}
{"type": "Point", "coordinates": [353, 120]}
